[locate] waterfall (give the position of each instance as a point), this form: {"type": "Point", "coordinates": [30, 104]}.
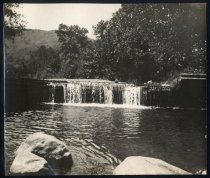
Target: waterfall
{"type": "Point", "coordinates": [52, 91]}
{"type": "Point", "coordinates": [132, 95]}
{"type": "Point", "coordinates": [77, 92]}
{"type": "Point", "coordinates": [107, 94]}
{"type": "Point", "coordinates": [58, 92]}
{"type": "Point", "coordinates": [73, 93]}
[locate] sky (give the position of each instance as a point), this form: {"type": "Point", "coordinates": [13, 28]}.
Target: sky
{"type": "Point", "coordinates": [49, 16]}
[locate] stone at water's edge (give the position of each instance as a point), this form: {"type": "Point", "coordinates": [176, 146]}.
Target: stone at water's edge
{"type": "Point", "coordinates": [27, 163]}
{"type": "Point", "coordinates": [54, 151]}
{"type": "Point", "coordinates": [139, 165]}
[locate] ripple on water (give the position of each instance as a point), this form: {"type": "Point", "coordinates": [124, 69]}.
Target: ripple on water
{"type": "Point", "coordinates": [171, 135]}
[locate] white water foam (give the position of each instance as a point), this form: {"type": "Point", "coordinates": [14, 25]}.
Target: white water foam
{"type": "Point", "coordinates": [73, 94]}
{"type": "Point", "coordinates": [103, 105]}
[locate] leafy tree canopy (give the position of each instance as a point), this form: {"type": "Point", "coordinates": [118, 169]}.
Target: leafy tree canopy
{"type": "Point", "coordinates": [13, 24]}
{"type": "Point", "coordinates": [73, 40]}
{"type": "Point", "coordinates": [149, 41]}
{"type": "Point", "coordinates": [141, 42]}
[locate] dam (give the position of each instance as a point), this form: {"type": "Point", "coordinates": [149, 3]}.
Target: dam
{"type": "Point", "coordinates": [93, 91]}
{"type": "Point", "coordinates": [189, 91]}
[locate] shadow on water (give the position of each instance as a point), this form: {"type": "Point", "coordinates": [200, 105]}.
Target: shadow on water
{"type": "Point", "coordinates": [24, 94]}
{"type": "Point", "coordinates": [176, 137]}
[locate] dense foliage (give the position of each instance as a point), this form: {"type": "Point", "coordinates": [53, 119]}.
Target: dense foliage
{"type": "Point", "coordinates": [149, 41]}
{"type": "Point", "coordinates": [141, 42]}
{"type": "Point", "coordinates": [13, 22]}
{"type": "Point", "coordinates": [73, 40]}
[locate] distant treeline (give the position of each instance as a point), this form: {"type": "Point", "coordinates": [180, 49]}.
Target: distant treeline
{"type": "Point", "coordinates": [141, 42]}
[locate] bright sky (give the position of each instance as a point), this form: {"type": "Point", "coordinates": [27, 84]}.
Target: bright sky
{"type": "Point", "coordinates": [49, 16]}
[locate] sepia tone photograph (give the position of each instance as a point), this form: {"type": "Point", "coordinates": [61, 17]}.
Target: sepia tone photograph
{"type": "Point", "coordinates": [105, 89]}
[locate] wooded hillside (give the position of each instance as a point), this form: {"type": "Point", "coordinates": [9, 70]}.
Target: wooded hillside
{"type": "Point", "coordinates": [141, 42]}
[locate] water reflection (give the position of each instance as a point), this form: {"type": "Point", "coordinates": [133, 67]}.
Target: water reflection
{"type": "Point", "coordinates": [176, 136]}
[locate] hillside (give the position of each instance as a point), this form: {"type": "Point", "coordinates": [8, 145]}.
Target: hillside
{"type": "Point", "coordinates": [35, 54]}
{"type": "Point", "coordinates": [18, 50]}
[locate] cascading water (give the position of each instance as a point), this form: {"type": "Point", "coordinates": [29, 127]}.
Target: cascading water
{"type": "Point", "coordinates": [58, 92]}
{"type": "Point", "coordinates": [77, 92]}
{"type": "Point", "coordinates": [132, 95]}
{"type": "Point", "coordinates": [52, 91]}
{"type": "Point", "coordinates": [73, 93]}
{"type": "Point", "coordinates": [108, 94]}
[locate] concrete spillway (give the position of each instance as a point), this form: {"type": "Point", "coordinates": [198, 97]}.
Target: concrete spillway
{"type": "Point", "coordinates": [27, 93]}
{"type": "Point", "coordinates": [94, 91]}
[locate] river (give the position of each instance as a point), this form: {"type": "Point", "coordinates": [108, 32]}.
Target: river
{"type": "Point", "coordinates": [176, 136]}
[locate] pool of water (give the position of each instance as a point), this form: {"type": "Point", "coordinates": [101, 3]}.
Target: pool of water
{"type": "Point", "coordinates": [176, 136]}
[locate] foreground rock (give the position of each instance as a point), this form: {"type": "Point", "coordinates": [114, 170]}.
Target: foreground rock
{"type": "Point", "coordinates": [54, 151]}
{"type": "Point", "coordinates": [29, 164]}
{"type": "Point", "coordinates": [41, 154]}
{"type": "Point", "coordinates": [47, 155]}
{"type": "Point", "coordinates": [139, 165]}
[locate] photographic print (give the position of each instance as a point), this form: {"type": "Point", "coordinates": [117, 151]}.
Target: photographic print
{"type": "Point", "coordinates": [105, 89]}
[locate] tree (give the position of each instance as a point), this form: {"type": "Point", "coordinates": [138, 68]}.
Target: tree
{"type": "Point", "coordinates": [44, 63]}
{"type": "Point", "coordinates": [168, 37]}
{"type": "Point", "coordinates": [13, 24]}
{"type": "Point", "coordinates": [104, 51]}
{"type": "Point", "coordinates": [73, 40]}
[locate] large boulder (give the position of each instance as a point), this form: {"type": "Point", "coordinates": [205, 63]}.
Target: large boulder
{"type": "Point", "coordinates": [54, 151]}
{"type": "Point", "coordinates": [28, 163]}
{"type": "Point", "coordinates": [89, 158]}
{"type": "Point", "coordinates": [139, 165]}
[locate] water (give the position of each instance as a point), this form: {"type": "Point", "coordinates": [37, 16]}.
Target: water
{"type": "Point", "coordinates": [176, 136]}
{"type": "Point", "coordinates": [75, 91]}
